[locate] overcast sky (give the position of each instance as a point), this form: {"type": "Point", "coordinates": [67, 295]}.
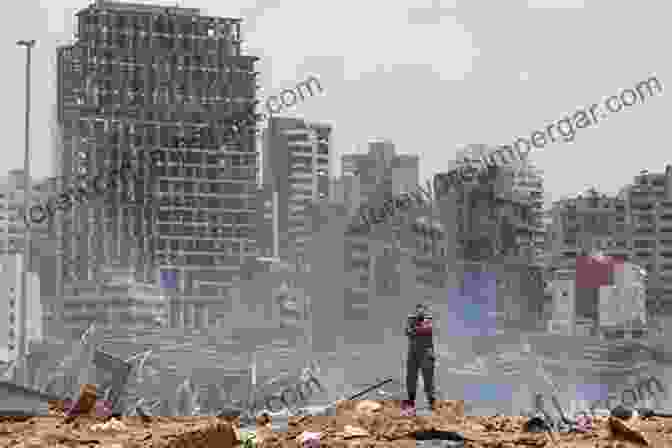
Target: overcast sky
{"type": "Point", "coordinates": [429, 75]}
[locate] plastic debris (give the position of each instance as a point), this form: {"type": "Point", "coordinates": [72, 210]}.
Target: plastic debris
{"type": "Point", "coordinates": [584, 423]}
{"type": "Point", "coordinates": [407, 408]}
{"type": "Point", "coordinates": [309, 439]}
{"type": "Point", "coordinates": [248, 439]}
{"type": "Point", "coordinates": [85, 404]}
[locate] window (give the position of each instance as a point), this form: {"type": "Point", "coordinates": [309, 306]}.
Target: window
{"type": "Point", "coordinates": [642, 244]}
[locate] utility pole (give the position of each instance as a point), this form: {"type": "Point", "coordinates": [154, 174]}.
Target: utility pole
{"type": "Point", "coordinates": [27, 265]}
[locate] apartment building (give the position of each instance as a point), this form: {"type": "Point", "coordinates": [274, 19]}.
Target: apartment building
{"type": "Point", "coordinates": [13, 227]}
{"type": "Point", "coordinates": [590, 221]}
{"type": "Point", "coordinates": [529, 181]}
{"type": "Point", "coordinates": [11, 270]}
{"type": "Point", "coordinates": [582, 225]}
{"type": "Point", "coordinates": [498, 230]}
{"type": "Point", "coordinates": [12, 224]}
{"type": "Point", "coordinates": [381, 169]}
{"type": "Point", "coordinates": [143, 77]}
{"type": "Point", "coordinates": [649, 208]}
{"type": "Point", "coordinates": [634, 225]}
{"type": "Point", "coordinates": [369, 280]}
{"type": "Point", "coordinates": [297, 171]}
{"type": "Point", "coordinates": [493, 218]}
{"type": "Point", "coordinates": [121, 302]}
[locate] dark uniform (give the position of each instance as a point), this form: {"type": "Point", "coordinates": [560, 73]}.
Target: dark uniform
{"type": "Point", "coordinates": [419, 329]}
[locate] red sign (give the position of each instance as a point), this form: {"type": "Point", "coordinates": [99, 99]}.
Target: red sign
{"type": "Point", "coordinates": [595, 271]}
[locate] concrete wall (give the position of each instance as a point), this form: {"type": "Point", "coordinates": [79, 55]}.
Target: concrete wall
{"type": "Point", "coordinates": [17, 398]}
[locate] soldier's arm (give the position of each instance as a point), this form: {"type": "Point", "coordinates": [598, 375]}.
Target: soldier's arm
{"type": "Point", "coordinates": [410, 331]}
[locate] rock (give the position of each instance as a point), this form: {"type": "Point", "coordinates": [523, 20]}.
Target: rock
{"type": "Point", "coordinates": [620, 430]}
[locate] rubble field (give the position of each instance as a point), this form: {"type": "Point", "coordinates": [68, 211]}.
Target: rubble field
{"type": "Point", "coordinates": [360, 424]}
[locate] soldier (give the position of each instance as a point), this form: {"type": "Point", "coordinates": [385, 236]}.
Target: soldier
{"type": "Point", "coordinates": [419, 329]}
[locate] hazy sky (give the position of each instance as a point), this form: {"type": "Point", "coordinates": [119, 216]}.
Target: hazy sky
{"type": "Point", "coordinates": [429, 75]}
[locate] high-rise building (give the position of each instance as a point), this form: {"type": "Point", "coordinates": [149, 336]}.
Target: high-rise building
{"type": "Point", "coordinates": [368, 279]}
{"type": "Point", "coordinates": [13, 227]}
{"type": "Point", "coordinates": [581, 225]}
{"type": "Point", "coordinates": [11, 270]}
{"type": "Point", "coordinates": [585, 223]}
{"type": "Point", "coordinates": [496, 231]}
{"type": "Point", "coordinates": [648, 203]}
{"type": "Point", "coordinates": [141, 78]}
{"type": "Point", "coordinates": [380, 171]}
{"type": "Point", "coordinates": [297, 172]}
{"type": "Point", "coordinates": [529, 181]}
{"type": "Point", "coordinates": [493, 217]}
{"type": "Point", "coordinates": [12, 191]}
{"type": "Point", "coordinates": [635, 225]}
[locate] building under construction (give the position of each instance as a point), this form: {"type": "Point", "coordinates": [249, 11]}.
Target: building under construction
{"type": "Point", "coordinates": [142, 78]}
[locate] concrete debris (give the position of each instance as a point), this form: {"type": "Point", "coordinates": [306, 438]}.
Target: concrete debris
{"type": "Point", "coordinates": [356, 424]}
{"type": "Point", "coordinates": [352, 431]}
{"type": "Point", "coordinates": [622, 431]}
{"type": "Point", "coordinates": [176, 432]}
{"type": "Point", "coordinates": [367, 407]}
{"type": "Point", "coordinates": [111, 425]}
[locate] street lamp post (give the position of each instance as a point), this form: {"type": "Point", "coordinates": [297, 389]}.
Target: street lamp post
{"type": "Point", "coordinates": [27, 265]}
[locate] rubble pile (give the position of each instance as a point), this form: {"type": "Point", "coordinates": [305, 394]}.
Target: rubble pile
{"type": "Point", "coordinates": [356, 423]}
{"type": "Point", "coordinates": [126, 432]}
{"type": "Point", "coordinates": [367, 423]}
